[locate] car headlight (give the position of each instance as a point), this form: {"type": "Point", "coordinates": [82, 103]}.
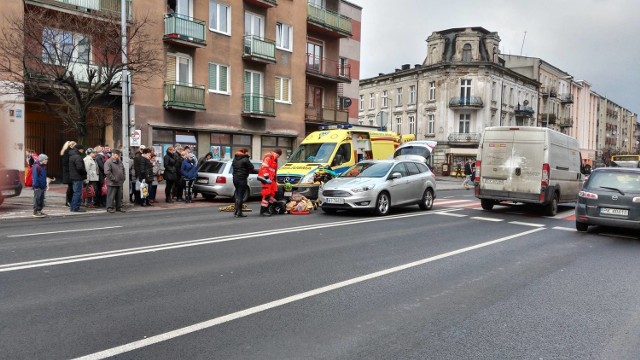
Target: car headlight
{"type": "Point", "coordinates": [363, 188]}
{"type": "Point", "coordinates": [308, 179]}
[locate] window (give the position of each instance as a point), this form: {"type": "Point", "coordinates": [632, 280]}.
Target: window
{"type": "Point", "coordinates": [398, 124]}
{"type": "Point", "coordinates": [432, 90]}
{"type": "Point", "coordinates": [284, 36]}
{"type": "Point", "coordinates": [465, 91]}
{"type": "Point", "coordinates": [252, 98]}
{"type": "Point", "coordinates": [343, 69]}
{"type": "Point", "coordinates": [63, 47]}
{"type": "Point", "coordinates": [314, 56]}
{"type": "Point", "coordinates": [385, 98]}
{"type": "Point", "coordinates": [466, 53]}
{"type": "Point", "coordinates": [270, 143]}
{"type": "Point", "coordinates": [431, 124]}
{"type": "Point", "coordinates": [412, 94]}
{"type": "Point", "coordinates": [283, 90]}
{"type": "Point", "coordinates": [465, 123]}
{"type": "Point", "coordinates": [510, 96]}
{"type": "Point", "coordinates": [399, 97]}
{"type": "Point", "coordinates": [218, 78]}
{"type": "Point", "coordinates": [219, 17]}
{"type": "Point", "coordinates": [361, 103]}
{"type": "Point", "coordinates": [493, 91]}
{"type": "Point", "coordinates": [179, 68]}
{"type": "Point", "coordinates": [372, 101]}
{"type": "Point", "coordinates": [223, 146]}
{"type": "Point", "coordinates": [412, 124]}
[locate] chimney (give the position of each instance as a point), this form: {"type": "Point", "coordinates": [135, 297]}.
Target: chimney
{"type": "Point", "coordinates": [380, 74]}
{"type": "Point", "coordinates": [417, 66]}
{"type": "Point", "coordinates": [406, 66]}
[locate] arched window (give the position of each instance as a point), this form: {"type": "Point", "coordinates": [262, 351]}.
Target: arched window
{"type": "Point", "coordinates": [466, 53]}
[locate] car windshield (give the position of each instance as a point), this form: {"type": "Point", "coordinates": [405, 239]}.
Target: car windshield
{"type": "Point", "coordinates": [367, 169]}
{"type": "Point", "coordinates": [622, 181]}
{"type": "Point", "coordinates": [413, 150]}
{"type": "Point", "coordinates": [319, 153]}
{"type": "Point", "coordinates": [214, 167]}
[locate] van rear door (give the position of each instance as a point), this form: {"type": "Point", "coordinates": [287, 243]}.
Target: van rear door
{"type": "Point", "coordinates": [496, 159]}
{"type": "Point", "coordinates": [526, 161]}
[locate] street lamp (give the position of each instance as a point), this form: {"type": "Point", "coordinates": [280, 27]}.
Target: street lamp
{"type": "Point", "coordinates": [125, 95]}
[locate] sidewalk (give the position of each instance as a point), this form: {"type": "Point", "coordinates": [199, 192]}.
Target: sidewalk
{"type": "Point", "coordinates": [22, 206]}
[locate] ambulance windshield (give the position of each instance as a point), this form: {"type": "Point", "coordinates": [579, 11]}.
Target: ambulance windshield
{"type": "Point", "coordinates": [316, 153]}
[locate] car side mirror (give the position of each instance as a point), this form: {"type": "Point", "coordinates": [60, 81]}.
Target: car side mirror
{"type": "Point", "coordinates": [395, 175]}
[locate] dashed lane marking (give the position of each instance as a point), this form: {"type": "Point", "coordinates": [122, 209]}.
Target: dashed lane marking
{"type": "Point", "coordinates": [486, 219]}
{"type": "Point", "coordinates": [525, 224]}
{"type": "Point", "coordinates": [563, 228]}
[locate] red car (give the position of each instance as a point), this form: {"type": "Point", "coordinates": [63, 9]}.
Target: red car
{"type": "Point", "coordinates": [10, 184]}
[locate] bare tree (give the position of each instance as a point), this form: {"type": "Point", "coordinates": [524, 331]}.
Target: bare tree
{"type": "Point", "coordinates": [73, 62]}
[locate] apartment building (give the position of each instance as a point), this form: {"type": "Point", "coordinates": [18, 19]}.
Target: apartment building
{"type": "Point", "coordinates": [257, 74]}
{"type": "Point", "coordinates": [461, 87]}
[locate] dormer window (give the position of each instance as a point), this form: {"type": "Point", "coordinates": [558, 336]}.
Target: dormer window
{"type": "Point", "coordinates": [466, 53]}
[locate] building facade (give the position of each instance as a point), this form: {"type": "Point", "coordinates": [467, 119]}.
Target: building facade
{"type": "Point", "coordinates": [461, 87]}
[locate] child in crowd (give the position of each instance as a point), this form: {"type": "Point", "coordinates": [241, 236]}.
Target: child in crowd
{"type": "Point", "coordinates": [40, 185]}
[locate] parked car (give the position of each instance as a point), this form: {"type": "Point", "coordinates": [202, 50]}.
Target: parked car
{"type": "Point", "coordinates": [378, 185]}
{"type": "Point", "coordinates": [10, 184]}
{"type": "Point", "coordinates": [611, 197]}
{"type": "Point", "coordinates": [215, 179]}
{"type": "Point", "coordinates": [418, 150]}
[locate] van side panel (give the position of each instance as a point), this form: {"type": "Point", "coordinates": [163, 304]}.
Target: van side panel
{"type": "Point", "coordinates": [564, 162]}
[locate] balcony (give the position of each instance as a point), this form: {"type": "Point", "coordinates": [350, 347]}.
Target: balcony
{"type": "Point", "coordinates": [259, 49]}
{"type": "Point", "coordinates": [325, 69]}
{"type": "Point", "coordinates": [464, 138]}
{"type": "Point", "coordinates": [546, 91]}
{"type": "Point", "coordinates": [184, 30]}
{"type": "Point", "coordinates": [107, 8]}
{"type": "Point", "coordinates": [263, 3]}
{"type": "Point", "coordinates": [565, 123]}
{"type": "Point", "coordinates": [471, 102]}
{"type": "Point", "coordinates": [258, 106]}
{"type": "Point", "coordinates": [325, 115]}
{"type": "Point", "coordinates": [547, 118]}
{"type": "Point", "coordinates": [182, 96]}
{"type": "Point", "coordinates": [328, 21]}
{"type": "Point", "coordinates": [523, 111]}
{"type": "Point", "coordinates": [566, 99]}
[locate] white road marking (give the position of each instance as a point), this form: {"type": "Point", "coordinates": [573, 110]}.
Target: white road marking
{"type": "Point", "coordinates": [525, 224]}
{"type": "Point", "coordinates": [450, 213]}
{"type": "Point", "coordinates": [446, 202]}
{"type": "Point", "coordinates": [564, 214]}
{"type": "Point", "coordinates": [486, 219]}
{"type": "Point", "coordinates": [284, 301]}
{"type": "Point", "coordinates": [189, 243]}
{"type": "Point", "coordinates": [563, 228]}
{"type": "Point", "coordinates": [64, 231]}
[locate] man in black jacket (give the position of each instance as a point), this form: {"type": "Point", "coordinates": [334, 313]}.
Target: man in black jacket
{"type": "Point", "coordinates": [170, 175]}
{"type": "Point", "coordinates": [242, 167]}
{"type": "Point", "coordinates": [77, 174]}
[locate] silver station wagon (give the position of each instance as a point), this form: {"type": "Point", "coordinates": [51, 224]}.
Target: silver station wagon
{"type": "Point", "coordinates": [611, 197]}
{"type": "Point", "coordinates": [378, 185]}
{"type": "Point", "coordinates": [215, 179]}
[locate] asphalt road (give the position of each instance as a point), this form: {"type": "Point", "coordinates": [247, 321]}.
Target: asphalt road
{"type": "Point", "coordinates": [455, 282]}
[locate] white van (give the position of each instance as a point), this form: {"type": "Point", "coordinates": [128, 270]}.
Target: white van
{"type": "Point", "coordinates": [528, 165]}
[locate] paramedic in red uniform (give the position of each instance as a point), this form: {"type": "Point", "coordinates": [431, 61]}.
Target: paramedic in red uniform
{"type": "Point", "coordinates": [268, 173]}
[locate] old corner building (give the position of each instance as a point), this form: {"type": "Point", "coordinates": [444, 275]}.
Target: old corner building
{"type": "Point", "coordinates": [257, 74]}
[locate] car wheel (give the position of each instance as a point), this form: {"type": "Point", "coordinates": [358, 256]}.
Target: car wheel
{"type": "Point", "coordinates": [329, 211]}
{"type": "Point", "coordinates": [581, 226]}
{"type": "Point", "coordinates": [427, 200]}
{"type": "Point", "coordinates": [552, 208]}
{"type": "Point", "coordinates": [383, 204]}
{"type": "Point", "coordinates": [208, 196]}
{"type": "Point", "coordinates": [487, 204]}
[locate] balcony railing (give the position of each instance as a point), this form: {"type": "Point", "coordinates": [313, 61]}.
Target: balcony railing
{"type": "Point", "coordinates": [464, 138]}
{"type": "Point", "coordinates": [258, 105]}
{"type": "Point", "coordinates": [263, 3]}
{"type": "Point", "coordinates": [329, 19]}
{"type": "Point", "coordinates": [259, 49]}
{"type": "Point", "coordinates": [325, 115]}
{"type": "Point", "coordinates": [93, 7]}
{"type": "Point", "coordinates": [549, 119]}
{"type": "Point", "coordinates": [183, 96]}
{"type": "Point", "coordinates": [565, 123]}
{"type": "Point", "coordinates": [522, 110]}
{"type": "Point", "coordinates": [566, 99]}
{"type": "Point", "coordinates": [548, 91]}
{"type": "Point", "coordinates": [466, 102]}
{"type": "Point", "coordinates": [328, 69]}
{"type": "Point", "coordinates": [184, 29]}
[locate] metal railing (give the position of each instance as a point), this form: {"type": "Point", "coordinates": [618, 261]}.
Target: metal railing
{"type": "Point", "coordinates": [264, 2]}
{"type": "Point", "coordinates": [464, 138]}
{"type": "Point", "coordinates": [259, 47]}
{"type": "Point", "coordinates": [183, 95]}
{"type": "Point", "coordinates": [111, 7]}
{"type": "Point", "coordinates": [330, 19]}
{"type": "Point", "coordinates": [469, 101]}
{"type": "Point", "coordinates": [184, 28]}
{"type": "Point", "coordinates": [547, 118]}
{"type": "Point", "coordinates": [324, 66]}
{"type": "Point", "coordinates": [258, 104]}
{"type": "Point", "coordinates": [565, 122]}
{"type": "Point", "coordinates": [325, 114]}
{"type": "Point", "coordinates": [522, 110]}
{"type": "Point", "coordinates": [566, 98]}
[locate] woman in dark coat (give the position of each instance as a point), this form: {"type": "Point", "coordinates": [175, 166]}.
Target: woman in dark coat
{"type": "Point", "coordinates": [179, 157]}
{"type": "Point", "coordinates": [169, 175]}
{"type": "Point", "coordinates": [64, 154]}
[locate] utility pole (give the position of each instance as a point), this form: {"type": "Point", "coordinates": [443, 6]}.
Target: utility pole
{"type": "Point", "coordinates": [125, 97]}
{"type": "Point", "coordinates": [524, 37]}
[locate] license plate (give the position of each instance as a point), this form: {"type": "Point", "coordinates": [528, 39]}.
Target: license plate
{"type": "Point", "coordinates": [202, 181]}
{"type": "Point", "coordinates": [8, 192]}
{"type": "Point", "coordinates": [494, 181]}
{"type": "Point", "coordinates": [334, 200]}
{"type": "Point", "coordinates": [620, 212]}
{"type": "Point", "coordinates": [287, 193]}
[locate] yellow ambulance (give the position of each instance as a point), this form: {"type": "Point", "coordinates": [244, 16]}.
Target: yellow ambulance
{"type": "Point", "coordinates": [339, 148]}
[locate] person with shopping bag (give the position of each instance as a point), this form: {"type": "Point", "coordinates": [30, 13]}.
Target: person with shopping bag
{"type": "Point", "coordinates": [267, 177]}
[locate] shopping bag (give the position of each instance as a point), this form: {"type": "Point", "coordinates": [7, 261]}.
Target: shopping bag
{"type": "Point", "coordinates": [103, 191]}
{"type": "Point", "coordinates": [28, 176]}
{"type": "Point", "coordinates": [144, 189]}
{"type": "Point", "coordinates": [88, 192]}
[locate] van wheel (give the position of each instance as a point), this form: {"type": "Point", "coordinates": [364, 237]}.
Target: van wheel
{"type": "Point", "coordinates": [427, 200]}
{"type": "Point", "coordinates": [383, 203]}
{"type": "Point", "coordinates": [487, 204]}
{"type": "Point", "coordinates": [552, 208]}
{"type": "Point", "coordinates": [581, 226]}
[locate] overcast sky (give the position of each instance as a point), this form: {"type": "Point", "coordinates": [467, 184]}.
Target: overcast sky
{"type": "Point", "coordinates": [593, 40]}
